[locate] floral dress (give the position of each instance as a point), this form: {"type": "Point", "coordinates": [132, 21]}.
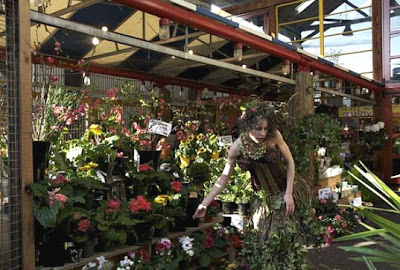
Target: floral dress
{"type": "Point", "coordinates": [273, 240]}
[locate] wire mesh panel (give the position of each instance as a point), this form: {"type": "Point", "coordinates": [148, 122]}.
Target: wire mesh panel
{"type": "Point", "coordinates": [10, 199]}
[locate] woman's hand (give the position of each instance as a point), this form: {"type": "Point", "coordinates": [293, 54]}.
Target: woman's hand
{"type": "Point", "coordinates": [289, 204]}
{"type": "Point", "coordinates": [200, 211]}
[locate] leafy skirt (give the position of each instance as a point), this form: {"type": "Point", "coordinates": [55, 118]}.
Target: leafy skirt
{"type": "Point", "coordinates": [273, 240]}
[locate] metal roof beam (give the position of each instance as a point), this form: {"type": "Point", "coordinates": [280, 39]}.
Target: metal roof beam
{"type": "Point", "coordinates": [131, 41]}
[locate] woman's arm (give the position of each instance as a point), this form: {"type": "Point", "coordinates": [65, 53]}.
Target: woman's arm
{"type": "Point", "coordinates": [221, 181]}
{"type": "Point", "coordinates": [287, 155]}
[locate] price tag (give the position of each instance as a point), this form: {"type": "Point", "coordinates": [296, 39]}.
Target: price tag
{"type": "Point", "coordinates": [225, 140]}
{"type": "Point", "coordinates": [356, 202]}
{"type": "Point", "coordinates": [136, 159]}
{"type": "Point", "coordinates": [160, 127]}
{"type": "Point", "coordinates": [193, 194]}
{"type": "Point", "coordinates": [324, 193]}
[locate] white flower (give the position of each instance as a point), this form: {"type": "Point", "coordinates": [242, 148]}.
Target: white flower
{"type": "Point", "coordinates": [375, 128]}
{"type": "Point", "coordinates": [381, 124]}
{"type": "Point", "coordinates": [321, 151]}
{"type": "Point", "coordinates": [73, 153]}
{"type": "Point", "coordinates": [185, 239]}
{"type": "Point", "coordinates": [190, 253]}
{"type": "Point", "coordinates": [367, 128]}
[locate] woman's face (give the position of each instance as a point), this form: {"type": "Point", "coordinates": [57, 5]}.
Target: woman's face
{"type": "Point", "coordinates": [259, 133]}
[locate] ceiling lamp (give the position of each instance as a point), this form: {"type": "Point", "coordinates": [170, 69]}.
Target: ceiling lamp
{"type": "Point", "coordinates": [286, 67]}
{"type": "Point", "coordinates": [238, 51]}
{"type": "Point", "coordinates": [95, 41]}
{"type": "Point", "coordinates": [347, 30]}
{"type": "Point", "coordinates": [164, 29]}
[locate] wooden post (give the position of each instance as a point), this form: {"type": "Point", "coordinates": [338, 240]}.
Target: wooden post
{"type": "Point", "coordinates": [25, 94]}
{"type": "Point", "coordinates": [302, 101]}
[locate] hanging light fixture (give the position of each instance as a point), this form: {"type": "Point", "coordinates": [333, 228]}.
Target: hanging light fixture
{"type": "Point", "coordinates": [86, 79]}
{"type": "Point", "coordinates": [164, 29]}
{"type": "Point", "coordinates": [238, 51]}
{"type": "Point", "coordinates": [286, 67]}
{"type": "Point", "coordinates": [95, 41]}
{"type": "Point", "coordinates": [347, 30]}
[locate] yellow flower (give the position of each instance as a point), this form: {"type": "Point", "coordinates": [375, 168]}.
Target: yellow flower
{"type": "Point", "coordinates": [201, 150]}
{"type": "Point", "coordinates": [191, 138]}
{"type": "Point", "coordinates": [163, 199]}
{"type": "Point", "coordinates": [212, 137]}
{"type": "Point", "coordinates": [92, 164]}
{"type": "Point", "coordinates": [84, 168]}
{"type": "Point", "coordinates": [200, 136]}
{"type": "Point", "coordinates": [184, 142]}
{"type": "Point", "coordinates": [185, 161]}
{"type": "Point", "coordinates": [215, 155]}
{"type": "Point", "coordinates": [95, 129]}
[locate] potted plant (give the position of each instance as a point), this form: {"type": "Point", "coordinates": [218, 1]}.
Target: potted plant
{"type": "Point", "coordinates": [112, 219]}
{"type": "Point", "coordinates": [212, 211]}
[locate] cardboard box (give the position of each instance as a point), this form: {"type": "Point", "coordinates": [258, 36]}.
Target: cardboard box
{"type": "Point", "coordinates": [330, 182]}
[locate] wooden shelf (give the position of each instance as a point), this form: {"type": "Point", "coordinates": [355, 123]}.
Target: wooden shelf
{"type": "Point", "coordinates": [126, 248]}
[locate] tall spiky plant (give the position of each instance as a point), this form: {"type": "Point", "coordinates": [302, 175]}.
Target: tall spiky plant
{"type": "Point", "coordinates": [390, 231]}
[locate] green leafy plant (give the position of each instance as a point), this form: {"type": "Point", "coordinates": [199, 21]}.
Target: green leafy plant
{"type": "Point", "coordinates": [199, 172]}
{"type": "Point", "coordinates": [386, 229]}
{"type": "Point", "coordinates": [309, 134]}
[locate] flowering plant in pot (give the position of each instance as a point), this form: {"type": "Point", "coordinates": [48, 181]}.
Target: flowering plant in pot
{"type": "Point", "coordinates": [375, 136]}
{"type": "Point", "coordinates": [112, 218]}
{"type": "Point", "coordinates": [212, 210]}
{"type": "Point", "coordinates": [165, 257]}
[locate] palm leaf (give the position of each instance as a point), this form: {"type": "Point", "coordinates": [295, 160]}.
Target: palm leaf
{"type": "Point", "coordinates": [369, 264]}
{"type": "Point", "coordinates": [360, 235]}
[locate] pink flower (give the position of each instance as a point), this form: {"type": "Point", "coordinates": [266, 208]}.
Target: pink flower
{"type": "Point", "coordinates": [253, 109]}
{"type": "Point", "coordinates": [111, 94]}
{"type": "Point", "coordinates": [145, 167]}
{"type": "Point", "coordinates": [338, 217]}
{"type": "Point", "coordinates": [50, 60]}
{"type": "Point", "coordinates": [114, 204]}
{"type": "Point", "coordinates": [96, 103]}
{"type": "Point", "coordinates": [84, 225]}
{"type": "Point", "coordinates": [57, 197]}
{"type": "Point", "coordinates": [208, 242]}
{"type": "Point", "coordinates": [327, 239]}
{"type": "Point", "coordinates": [344, 225]}
{"type": "Point", "coordinates": [176, 186]}
{"type": "Point", "coordinates": [323, 201]}
{"type": "Point", "coordinates": [330, 229]}
{"type": "Point", "coordinates": [60, 179]}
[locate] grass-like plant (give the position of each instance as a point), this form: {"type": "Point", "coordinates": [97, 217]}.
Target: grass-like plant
{"type": "Point", "coordinates": [388, 230]}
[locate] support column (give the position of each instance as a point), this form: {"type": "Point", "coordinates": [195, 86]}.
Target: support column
{"type": "Point", "coordinates": [24, 84]}
{"type": "Point", "coordinates": [302, 101]}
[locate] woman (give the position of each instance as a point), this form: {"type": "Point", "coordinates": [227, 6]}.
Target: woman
{"type": "Point", "coordinates": [274, 242]}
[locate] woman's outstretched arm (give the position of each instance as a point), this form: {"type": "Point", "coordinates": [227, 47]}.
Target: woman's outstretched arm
{"type": "Point", "coordinates": [221, 181]}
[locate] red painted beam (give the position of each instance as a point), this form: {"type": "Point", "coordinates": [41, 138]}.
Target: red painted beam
{"type": "Point", "coordinates": [102, 69]}
{"type": "Point", "coordinates": [203, 23]}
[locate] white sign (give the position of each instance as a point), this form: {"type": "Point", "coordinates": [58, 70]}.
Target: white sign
{"type": "Point", "coordinates": [356, 202]}
{"type": "Point", "coordinates": [237, 221]}
{"type": "Point", "coordinates": [160, 127]}
{"type": "Point", "coordinates": [225, 140]}
{"type": "Point", "coordinates": [324, 193]}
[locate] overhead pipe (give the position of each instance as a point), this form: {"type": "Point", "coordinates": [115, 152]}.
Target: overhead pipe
{"type": "Point", "coordinates": [107, 70]}
{"type": "Point", "coordinates": [202, 23]}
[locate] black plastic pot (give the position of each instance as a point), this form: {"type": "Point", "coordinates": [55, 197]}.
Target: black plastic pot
{"type": "Point", "coordinates": [229, 207]}
{"type": "Point", "coordinates": [243, 209]}
{"type": "Point", "coordinates": [40, 158]}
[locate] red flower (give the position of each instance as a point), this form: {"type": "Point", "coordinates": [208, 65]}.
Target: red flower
{"type": "Point", "coordinates": [236, 242]}
{"type": "Point", "coordinates": [253, 109]}
{"type": "Point", "coordinates": [208, 242]}
{"type": "Point", "coordinates": [50, 60]}
{"type": "Point", "coordinates": [60, 179]}
{"type": "Point", "coordinates": [176, 186]}
{"type": "Point", "coordinates": [145, 167]}
{"type": "Point", "coordinates": [114, 204]}
{"type": "Point", "coordinates": [208, 231]}
{"type": "Point", "coordinates": [84, 225]}
{"type": "Point", "coordinates": [140, 203]}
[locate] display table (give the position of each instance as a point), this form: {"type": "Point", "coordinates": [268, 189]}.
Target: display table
{"type": "Point", "coordinates": [124, 249]}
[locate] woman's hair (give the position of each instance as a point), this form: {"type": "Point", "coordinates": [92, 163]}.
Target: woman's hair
{"type": "Point", "coordinates": [254, 112]}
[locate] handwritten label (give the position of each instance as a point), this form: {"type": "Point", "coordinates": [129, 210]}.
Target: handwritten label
{"type": "Point", "coordinates": [225, 140]}
{"type": "Point", "coordinates": [356, 202]}
{"type": "Point", "coordinates": [160, 127]}
{"type": "Point", "coordinates": [324, 193]}
{"type": "Point", "coordinates": [361, 112]}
